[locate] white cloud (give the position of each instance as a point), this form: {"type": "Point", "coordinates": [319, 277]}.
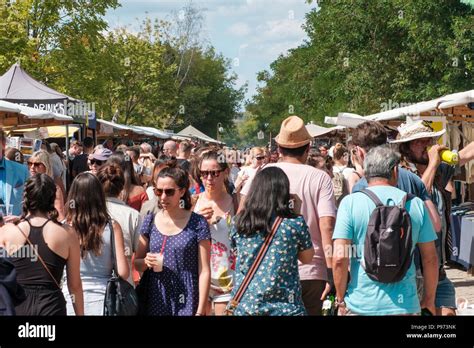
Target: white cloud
{"type": "Point", "coordinates": [255, 32]}
{"type": "Point", "coordinates": [280, 30]}
{"type": "Point", "coordinates": [239, 29]}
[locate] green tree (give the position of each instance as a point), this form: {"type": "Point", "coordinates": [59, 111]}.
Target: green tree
{"type": "Point", "coordinates": [360, 54]}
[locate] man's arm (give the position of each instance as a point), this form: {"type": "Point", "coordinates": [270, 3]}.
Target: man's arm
{"type": "Point", "coordinates": [466, 154]}
{"type": "Point", "coordinates": [429, 259]}
{"type": "Point", "coordinates": [434, 215]}
{"type": "Point", "coordinates": [434, 162]}
{"type": "Point", "coordinates": [340, 265]}
{"type": "Point", "coordinates": [326, 226]}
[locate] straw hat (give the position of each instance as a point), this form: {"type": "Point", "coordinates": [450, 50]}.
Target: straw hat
{"type": "Point", "coordinates": [416, 130]}
{"type": "Point", "coordinates": [293, 133]}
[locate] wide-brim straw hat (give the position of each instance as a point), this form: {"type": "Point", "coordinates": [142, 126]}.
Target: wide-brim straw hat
{"type": "Point", "coordinates": [416, 130]}
{"type": "Point", "coordinates": [293, 133]}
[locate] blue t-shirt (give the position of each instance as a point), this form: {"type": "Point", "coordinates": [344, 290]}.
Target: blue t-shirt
{"type": "Point", "coordinates": [407, 181]}
{"type": "Point", "coordinates": [364, 295]}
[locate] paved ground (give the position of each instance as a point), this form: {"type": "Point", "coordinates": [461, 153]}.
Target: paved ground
{"type": "Point", "coordinates": [463, 283]}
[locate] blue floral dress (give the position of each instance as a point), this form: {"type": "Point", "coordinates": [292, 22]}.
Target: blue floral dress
{"type": "Point", "coordinates": [275, 288]}
{"type": "Point", "coordinates": [175, 290]}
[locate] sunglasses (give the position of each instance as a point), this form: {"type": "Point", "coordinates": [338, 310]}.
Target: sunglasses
{"type": "Point", "coordinates": [159, 192]}
{"type": "Point", "coordinates": [35, 164]}
{"type": "Point", "coordinates": [213, 173]}
{"type": "Point", "coordinates": [259, 158]}
{"type": "Point", "coordinates": [94, 161]}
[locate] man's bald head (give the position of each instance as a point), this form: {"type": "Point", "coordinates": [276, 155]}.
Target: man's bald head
{"type": "Point", "coordinates": [170, 148]}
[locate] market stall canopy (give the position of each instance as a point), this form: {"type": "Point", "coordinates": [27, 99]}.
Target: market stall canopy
{"type": "Point", "coordinates": [31, 113]}
{"type": "Point", "coordinates": [154, 132]}
{"type": "Point", "coordinates": [19, 87]}
{"type": "Point", "coordinates": [445, 102]}
{"type": "Point", "coordinates": [192, 132]}
{"type": "Point", "coordinates": [107, 127]}
{"type": "Point", "coordinates": [316, 131]}
{"type": "Point", "coordinates": [47, 132]}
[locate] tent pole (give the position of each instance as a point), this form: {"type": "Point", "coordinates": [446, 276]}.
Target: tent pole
{"type": "Point", "coordinates": [67, 140]}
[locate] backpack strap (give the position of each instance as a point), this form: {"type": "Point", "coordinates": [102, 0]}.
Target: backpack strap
{"type": "Point", "coordinates": [379, 203]}
{"type": "Point", "coordinates": [373, 197]}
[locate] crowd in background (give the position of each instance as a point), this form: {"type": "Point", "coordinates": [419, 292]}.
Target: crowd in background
{"type": "Point", "coordinates": [193, 217]}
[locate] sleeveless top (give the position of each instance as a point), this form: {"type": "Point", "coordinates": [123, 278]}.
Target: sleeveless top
{"type": "Point", "coordinates": [30, 270]}
{"type": "Point", "coordinates": [94, 267]}
{"type": "Point", "coordinates": [222, 256]}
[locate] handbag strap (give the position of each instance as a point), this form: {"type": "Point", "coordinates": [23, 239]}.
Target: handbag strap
{"type": "Point", "coordinates": [234, 302]}
{"type": "Point", "coordinates": [39, 256]}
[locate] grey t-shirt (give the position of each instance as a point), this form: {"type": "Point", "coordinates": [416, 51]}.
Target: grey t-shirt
{"type": "Point", "coordinates": [57, 164]}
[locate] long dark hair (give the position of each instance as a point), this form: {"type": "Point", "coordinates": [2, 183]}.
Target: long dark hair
{"type": "Point", "coordinates": [269, 197]}
{"type": "Point", "coordinates": [181, 179]}
{"type": "Point", "coordinates": [86, 210]}
{"type": "Point", "coordinates": [128, 172]}
{"type": "Point", "coordinates": [39, 197]}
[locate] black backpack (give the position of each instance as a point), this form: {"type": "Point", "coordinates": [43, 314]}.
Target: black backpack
{"type": "Point", "coordinates": [388, 242]}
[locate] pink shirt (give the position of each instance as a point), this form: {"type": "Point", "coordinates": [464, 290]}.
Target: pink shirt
{"type": "Point", "coordinates": [313, 192]}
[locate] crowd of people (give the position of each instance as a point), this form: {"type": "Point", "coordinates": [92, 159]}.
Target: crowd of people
{"type": "Point", "coordinates": [194, 220]}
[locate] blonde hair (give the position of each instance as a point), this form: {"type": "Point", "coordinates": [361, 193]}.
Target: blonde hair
{"type": "Point", "coordinates": [255, 150]}
{"type": "Point", "coordinates": [42, 156]}
{"type": "Point", "coordinates": [339, 151]}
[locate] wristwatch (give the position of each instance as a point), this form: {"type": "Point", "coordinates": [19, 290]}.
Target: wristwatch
{"type": "Point", "coordinates": [339, 303]}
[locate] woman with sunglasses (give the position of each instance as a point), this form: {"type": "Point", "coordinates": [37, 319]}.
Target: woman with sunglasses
{"type": "Point", "coordinates": [217, 206]}
{"type": "Point", "coordinates": [174, 247]}
{"type": "Point", "coordinates": [257, 159]}
{"type": "Point", "coordinates": [87, 214]}
{"type": "Point", "coordinates": [40, 163]}
{"type": "Point", "coordinates": [97, 159]}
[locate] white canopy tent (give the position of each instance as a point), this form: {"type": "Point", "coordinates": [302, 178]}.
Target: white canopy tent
{"type": "Point", "coordinates": [192, 132]}
{"type": "Point", "coordinates": [32, 113]}
{"type": "Point", "coordinates": [316, 131]}
{"type": "Point", "coordinates": [107, 127]}
{"type": "Point", "coordinates": [154, 132]}
{"type": "Point", "coordinates": [435, 105]}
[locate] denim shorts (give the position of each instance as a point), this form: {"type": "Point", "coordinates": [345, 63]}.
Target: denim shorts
{"type": "Point", "coordinates": [445, 294]}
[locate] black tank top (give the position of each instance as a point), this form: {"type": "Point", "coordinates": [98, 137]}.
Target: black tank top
{"type": "Point", "coordinates": [30, 270]}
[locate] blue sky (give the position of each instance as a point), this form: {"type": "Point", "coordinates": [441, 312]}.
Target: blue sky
{"type": "Point", "coordinates": [251, 33]}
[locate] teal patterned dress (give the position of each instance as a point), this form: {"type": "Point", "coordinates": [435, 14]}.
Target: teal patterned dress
{"type": "Point", "coordinates": [275, 288]}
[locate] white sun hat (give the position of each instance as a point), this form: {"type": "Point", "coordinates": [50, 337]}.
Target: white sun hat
{"type": "Point", "coordinates": [416, 130]}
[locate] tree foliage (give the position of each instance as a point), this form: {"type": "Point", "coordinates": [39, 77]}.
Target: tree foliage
{"type": "Point", "coordinates": [161, 76]}
{"type": "Point", "coordinates": [360, 54]}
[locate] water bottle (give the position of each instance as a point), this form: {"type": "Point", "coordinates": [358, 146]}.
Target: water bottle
{"type": "Point", "coordinates": [327, 305]}
{"type": "Point", "coordinates": [450, 157]}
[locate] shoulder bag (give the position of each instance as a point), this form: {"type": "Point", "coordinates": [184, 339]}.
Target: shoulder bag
{"type": "Point", "coordinates": [120, 296]}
